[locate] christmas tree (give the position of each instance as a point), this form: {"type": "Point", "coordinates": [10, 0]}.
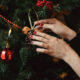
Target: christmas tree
{"type": "Point", "coordinates": [18, 59]}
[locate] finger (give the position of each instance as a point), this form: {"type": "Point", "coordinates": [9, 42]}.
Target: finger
{"type": "Point", "coordinates": [41, 21]}
{"type": "Point", "coordinates": [49, 21]}
{"type": "Point", "coordinates": [39, 38]}
{"type": "Point", "coordinates": [40, 44]}
{"type": "Point", "coordinates": [46, 26]}
{"type": "Point", "coordinates": [44, 35]}
{"type": "Point", "coordinates": [41, 50]}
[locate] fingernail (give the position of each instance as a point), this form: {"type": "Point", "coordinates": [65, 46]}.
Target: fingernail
{"type": "Point", "coordinates": [30, 36]}
{"type": "Point", "coordinates": [34, 32]}
{"type": "Point", "coordinates": [41, 24]}
{"type": "Point", "coordinates": [36, 26]}
{"type": "Point", "coordinates": [35, 22]}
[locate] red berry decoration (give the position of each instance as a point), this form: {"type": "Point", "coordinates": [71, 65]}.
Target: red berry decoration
{"type": "Point", "coordinates": [6, 55]}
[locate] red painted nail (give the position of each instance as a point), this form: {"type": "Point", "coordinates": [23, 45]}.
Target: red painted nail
{"type": "Point", "coordinates": [41, 24]}
{"type": "Point", "coordinates": [34, 32]}
{"type": "Point", "coordinates": [30, 36]}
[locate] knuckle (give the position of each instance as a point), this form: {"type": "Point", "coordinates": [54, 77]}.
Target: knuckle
{"type": "Point", "coordinates": [42, 44]}
{"type": "Point", "coordinates": [47, 46]}
{"type": "Point", "coordinates": [48, 41]}
{"type": "Point", "coordinates": [40, 39]}
{"type": "Point", "coordinates": [45, 51]}
{"type": "Point", "coordinates": [44, 34]}
{"type": "Point", "coordinates": [45, 40]}
{"type": "Point", "coordinates": [54, 39]}
{"type": "Point", "coordinates": [47, 36]}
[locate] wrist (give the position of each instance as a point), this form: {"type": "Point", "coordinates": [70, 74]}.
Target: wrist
{"type": "Point", "coordinates": [73, 60]}
{"type": "Point", "coordinates": [70, 53]}
{"type": "Point", "coordinates": [68, 33]}
{"type": "Point", "coordinates": [71, 34]}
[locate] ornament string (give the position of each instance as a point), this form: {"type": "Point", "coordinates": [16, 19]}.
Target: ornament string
{"type": "Point", "coordinates": [36, 14]}
{"type": "Point", "coordinates": [9, 34]}
{"type": "Point", "coordinates": [14, 25]}
{"type": "Point", "coordinates": [29, 17]}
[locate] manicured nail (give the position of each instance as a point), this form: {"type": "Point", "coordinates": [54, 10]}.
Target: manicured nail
{"type": "Point", "coordinates": [35, 22]}
{"type": "Point", "coordinates": [34, 32]}
{"type": "Point", "coordinates": [36, 26]}
{"type": "Point", "coordinates": [30, 36]}
{"type": "Point", "coordinates": [41, 24]}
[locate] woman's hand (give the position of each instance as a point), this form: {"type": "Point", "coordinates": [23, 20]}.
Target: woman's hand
{"type": "Point", "coordinates": [57, 27]}
{"type": "Point", "coordinates": [50, 45]}
{"type": "Point", "coordinates": [56, 48]}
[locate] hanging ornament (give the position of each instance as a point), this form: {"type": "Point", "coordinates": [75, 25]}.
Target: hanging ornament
{"type": "Point", "coordinates": [6, 54]}
{"type": "Point", "coordinates": [25, 29]}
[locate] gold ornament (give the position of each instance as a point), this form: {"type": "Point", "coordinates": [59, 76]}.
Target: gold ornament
{"type": "Point", "coordinates": [25, 30]}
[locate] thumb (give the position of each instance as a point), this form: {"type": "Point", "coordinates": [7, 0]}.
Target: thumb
{"type": "Point", "coordinates": [46, 26]}
{"type": "Point", "coordinates": [41, 21]}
